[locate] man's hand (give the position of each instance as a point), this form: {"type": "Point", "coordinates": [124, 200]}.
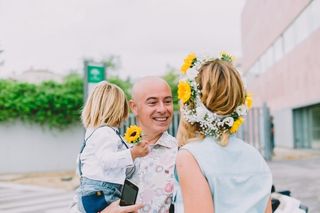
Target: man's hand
{"type": "Point", "coordinates": [116, 208]}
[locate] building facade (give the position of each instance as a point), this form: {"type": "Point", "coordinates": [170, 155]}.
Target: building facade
{"type": "Point", "coordinates": [281, 63]}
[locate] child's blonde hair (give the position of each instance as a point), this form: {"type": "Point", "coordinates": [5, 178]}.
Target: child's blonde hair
{"type": "Point", "coordinates": [222, 91]}
{"type": "Point", "coordinates": [107, 104]}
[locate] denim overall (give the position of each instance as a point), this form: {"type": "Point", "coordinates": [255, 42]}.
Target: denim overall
{"type": "Point", "coordinates": [95, 195]}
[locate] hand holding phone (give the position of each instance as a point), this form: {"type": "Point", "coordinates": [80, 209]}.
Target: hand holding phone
{"type": "Point", "coordinates": [129, 194]}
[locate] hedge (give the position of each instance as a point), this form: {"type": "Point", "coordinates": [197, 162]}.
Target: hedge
{"type": "Point", "coordinates": [54, 104]}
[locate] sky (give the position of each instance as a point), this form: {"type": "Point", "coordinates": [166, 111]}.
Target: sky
{"type": "Point", "coordinates": [147, 35]}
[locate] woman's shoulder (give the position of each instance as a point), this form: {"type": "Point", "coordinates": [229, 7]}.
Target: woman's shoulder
{"type": "Point", "coordinates": [251, 157]}
{"type": "Point", "coordinates": [199, 148]}
{"type": "Point", "coordinates": [246, 147]}
{"type": "Point", "coordinates": [236, 151]}
{"type": "Point", "coordinates": [193, 143]}
{"type": "Point", "coordinates": [207, 143]}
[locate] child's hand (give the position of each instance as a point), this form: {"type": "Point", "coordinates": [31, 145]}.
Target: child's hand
{"type": "Point", "coordinates": [140, 150]}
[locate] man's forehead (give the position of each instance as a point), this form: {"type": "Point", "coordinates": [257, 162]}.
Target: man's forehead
{"type": "Point", "coordinates": [151, 87]}
{"type": "Point", "coordinates": [157, 97]}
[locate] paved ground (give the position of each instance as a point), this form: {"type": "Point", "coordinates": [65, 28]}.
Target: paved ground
{"type": "Point", "coordinates": [16, 198]}
{"type": "Point", "coordinates": [297, 171]}
{"type": "Point", "coordinates": [300, 175]}
{"type": "Point", "coordinates": [56, 180]}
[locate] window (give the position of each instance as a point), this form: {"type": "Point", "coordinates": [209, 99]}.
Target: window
{"type": "Point", "coordinates": [289, 39]}
{"type": "Point", "coordinates": [278, 49]}
{"type": "Point", "coordinates": [302, 27]}
{"type": "Point", "coordinates": [315, 14]}
{"type": "Point", "coordinates": [269, 58]}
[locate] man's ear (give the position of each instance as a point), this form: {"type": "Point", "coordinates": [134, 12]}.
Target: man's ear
{"type": "Point", "coordinates": [133, 107]}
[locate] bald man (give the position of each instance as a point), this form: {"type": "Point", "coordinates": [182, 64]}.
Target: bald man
{"type": "Point", "coordinates": [152, 104]}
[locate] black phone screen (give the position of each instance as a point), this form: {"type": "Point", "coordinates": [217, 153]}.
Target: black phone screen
{"type": "Point", "coordinates": [129, 194]}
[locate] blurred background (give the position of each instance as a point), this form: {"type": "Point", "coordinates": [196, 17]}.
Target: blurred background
{"type": "Point", "coordinates": [52, 53]}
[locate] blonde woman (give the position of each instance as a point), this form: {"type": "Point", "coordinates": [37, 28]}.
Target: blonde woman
{"type": "Point", "coordinates": [104, 155]}
{"type": "Point", "coordinates": [217, 172]}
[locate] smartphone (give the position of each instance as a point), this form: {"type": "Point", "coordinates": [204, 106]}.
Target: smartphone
{"type": "Point", "coordinates": [129, 194]}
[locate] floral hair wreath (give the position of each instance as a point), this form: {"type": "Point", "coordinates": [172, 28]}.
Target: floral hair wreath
{"type": "Point", "coordinates": [194, 111]}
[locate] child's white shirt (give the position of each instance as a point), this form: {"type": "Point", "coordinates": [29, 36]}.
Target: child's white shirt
{"type": "Point", "coordinates": [105, 157]}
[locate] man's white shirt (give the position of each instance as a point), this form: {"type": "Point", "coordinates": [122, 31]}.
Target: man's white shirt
{"type": "Point", "coordinates": [154, 174]}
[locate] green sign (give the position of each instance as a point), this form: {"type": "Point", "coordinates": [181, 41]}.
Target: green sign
{"type": "Point", "coordinates": [95, 73]}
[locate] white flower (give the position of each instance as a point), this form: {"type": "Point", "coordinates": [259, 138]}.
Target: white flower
{"type": "Point", "coordinates": [241, 110]}
{"type": "Point", "coordinates": [201, 113]}
{"type": "Point", "coordinates": [228, 121]}
{"type": "Point", "coordinates": [192, 74]}
{"type": "Point", "coordinates": [220, 124]}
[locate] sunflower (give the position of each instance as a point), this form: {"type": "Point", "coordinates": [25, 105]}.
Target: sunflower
{"type": "Point", "coordinates": [184, 91]}
{"type": "Point", "coordinates": [184, 68]}
{"type": "Point", "coordinates": [236, 125]}
{"type": "Point", "coordinates": [188, 62]}
{"type": "Point", "coordinates": [133, 134]}
{"type": "Point", "coordinates": [248, 100]}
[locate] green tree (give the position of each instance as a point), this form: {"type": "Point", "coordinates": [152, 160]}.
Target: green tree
{"type": "Point", "coordinates": [49, 103]}
{"type": "Point", "coordinates": [56, 104]}
{"type": "Point", "coordinates": [125, 85]}
{"type": "Point", "coordinates": [112, 64]}
{"type": "Point", "coordinates": [172, 77]}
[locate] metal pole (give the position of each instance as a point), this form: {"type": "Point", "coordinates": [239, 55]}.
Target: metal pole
{"type": "Point", "coordinates": [85, 87]}
{"type": "Point", "coordinates": [266, 133]}
{"type": "Point", "coordinates": [85, 80]}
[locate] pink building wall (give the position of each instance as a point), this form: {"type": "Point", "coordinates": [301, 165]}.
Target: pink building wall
{"type": "Point", "coordinates": [294, 81]}
{"type": "Point", "coordinates": [262, 21]}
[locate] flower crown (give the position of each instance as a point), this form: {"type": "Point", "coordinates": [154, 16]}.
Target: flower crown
{"type": "Point", "coordinates": [194, 111]}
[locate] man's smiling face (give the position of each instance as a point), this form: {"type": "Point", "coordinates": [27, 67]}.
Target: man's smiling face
{"type": "Point", "coordinates": [153, 106]}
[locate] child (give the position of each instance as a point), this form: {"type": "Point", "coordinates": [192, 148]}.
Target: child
{"type": "Point", "coordinates": [104, 156]}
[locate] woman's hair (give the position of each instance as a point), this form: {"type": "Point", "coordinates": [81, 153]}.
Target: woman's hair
{"type": "Point", "coordinates": [222, 90]}
{"type": "Point", "coordinates": [107, 104]}
{"type": "Point", "coordinates": [187, 131]}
